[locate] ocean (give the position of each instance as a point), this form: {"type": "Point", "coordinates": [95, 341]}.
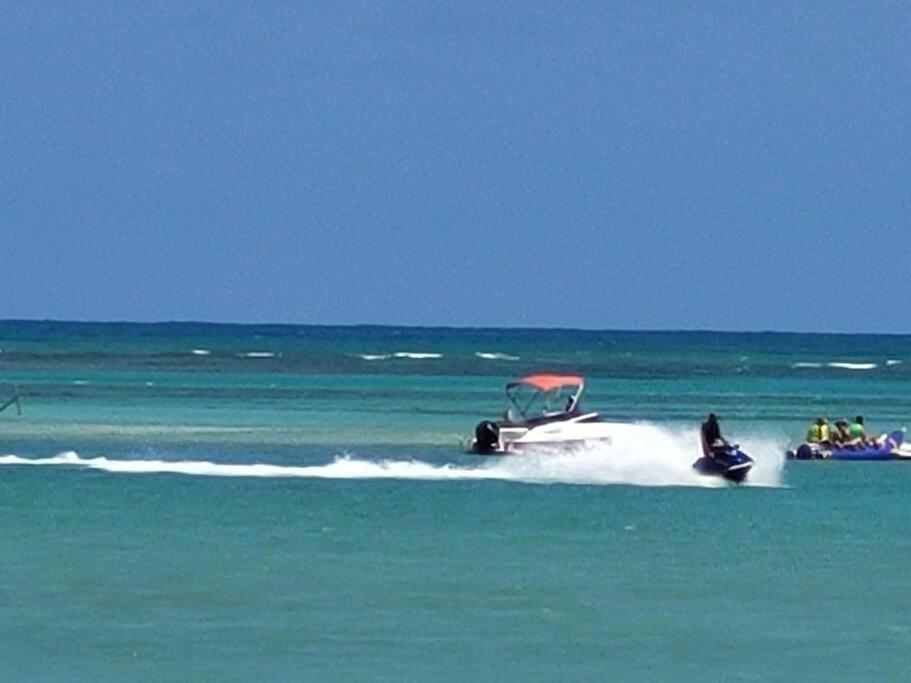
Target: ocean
{"type": "Point", "coordinates": [205, 502]}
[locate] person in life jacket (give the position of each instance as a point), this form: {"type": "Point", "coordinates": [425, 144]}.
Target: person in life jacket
{"type": "Point", "coordinates": [818, 431]}
{"type": "Point", "coordinates": [857, 432]}
{"type": "Point", "coordinates": [841, 436]}
{"type": "Point", "coordinates": [712, 439]}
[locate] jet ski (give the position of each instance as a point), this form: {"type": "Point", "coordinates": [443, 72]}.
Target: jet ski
{"type": "Point", "coordinates": [543, 413]}
{"type": "Point", "coordinates": [725, 460]}
{"type": "Point", "coordinates": [887, 447]}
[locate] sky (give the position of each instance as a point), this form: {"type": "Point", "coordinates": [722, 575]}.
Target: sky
{"type": "Point", "coordinates": [606, 165]}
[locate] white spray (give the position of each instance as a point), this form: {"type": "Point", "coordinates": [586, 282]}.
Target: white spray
{"type": "Point", "coordinates": [646, 456]}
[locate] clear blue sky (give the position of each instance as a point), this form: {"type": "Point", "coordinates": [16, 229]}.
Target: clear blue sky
{"type": "Point", "coordinates": [724, 165]}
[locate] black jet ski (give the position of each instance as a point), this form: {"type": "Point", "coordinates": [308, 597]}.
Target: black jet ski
{"type": "Point", "coordinates": [726, 461]}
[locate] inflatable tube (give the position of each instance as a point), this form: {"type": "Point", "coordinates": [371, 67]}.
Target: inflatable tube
{"type": "Point", "coordinates": [886, 451]}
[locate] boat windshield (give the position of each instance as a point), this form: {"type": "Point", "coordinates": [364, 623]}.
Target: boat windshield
{"type": "Point", "coordinates": [543, 396]}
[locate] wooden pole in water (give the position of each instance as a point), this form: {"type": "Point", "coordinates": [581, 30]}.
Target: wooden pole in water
{"type": "Point", "coordinates": [13, 399]}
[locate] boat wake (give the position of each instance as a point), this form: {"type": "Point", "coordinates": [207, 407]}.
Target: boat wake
{"type": "Point", "coordinates": [666, 462]}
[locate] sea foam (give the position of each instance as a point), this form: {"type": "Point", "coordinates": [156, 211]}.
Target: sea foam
{"type": "Point", "coordinates": [839, 365]}
{"type": "Point", "coordinates": [644, 456]}
{"type": "Point", "coordinates": [495, 356]}
{"type": "Point", "coordinates": [853, 366]}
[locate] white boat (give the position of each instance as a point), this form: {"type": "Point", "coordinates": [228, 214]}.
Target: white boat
{"type": "Point", "coordinates": [544, 413]}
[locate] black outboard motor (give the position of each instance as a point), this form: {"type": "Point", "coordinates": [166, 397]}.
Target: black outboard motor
{"type": "Point", "coordinates": [486, 437]}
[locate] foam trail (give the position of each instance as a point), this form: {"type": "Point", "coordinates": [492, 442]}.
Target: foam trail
{"type": "Point", "coordinates": [416, 355]}
{"type": "Point", "coordinates": [642, 455]}
{"type": "Point", "coordinates": [853, 366]}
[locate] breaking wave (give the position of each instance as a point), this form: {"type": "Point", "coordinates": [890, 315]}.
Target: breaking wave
{"type": "Point", "coordinates": [853, 366]}
{"type": "Point", "coordinates": [495, 356]}
{"type": "Point", "coordinates": [841, 365]}
{"type": "Point", "coordinates": [407, 355]}
{"type": "Point", "coordinates": [667, 461]}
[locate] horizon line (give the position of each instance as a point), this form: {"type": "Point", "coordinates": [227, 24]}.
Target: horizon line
{"type": "Point", "coordinates": [517, 328]}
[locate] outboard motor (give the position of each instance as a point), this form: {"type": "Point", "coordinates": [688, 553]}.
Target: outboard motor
{"type": "Point", "coordinates": [486, 437]}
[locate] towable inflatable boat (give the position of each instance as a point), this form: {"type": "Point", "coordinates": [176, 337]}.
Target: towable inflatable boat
{"type": "Point", "coordinates": [887, 447]}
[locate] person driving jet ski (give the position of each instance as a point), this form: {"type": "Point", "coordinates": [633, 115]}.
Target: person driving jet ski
{"type": "Point", "coordinates": [713, 441]}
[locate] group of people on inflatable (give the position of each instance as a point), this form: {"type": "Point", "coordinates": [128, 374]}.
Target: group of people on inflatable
{"type": "Point", "coordinates": [844, 435]}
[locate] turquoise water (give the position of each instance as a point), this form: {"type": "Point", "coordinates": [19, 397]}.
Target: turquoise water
{"type": "Point", "coordinates": [204, 514]}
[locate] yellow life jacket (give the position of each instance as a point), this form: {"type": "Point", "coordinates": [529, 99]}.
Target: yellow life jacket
{"type": "Point", "coordinates": [814, 433]}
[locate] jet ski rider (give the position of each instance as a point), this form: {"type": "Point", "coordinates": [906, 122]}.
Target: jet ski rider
{"type": "Point", "coordinates": [713, 442]}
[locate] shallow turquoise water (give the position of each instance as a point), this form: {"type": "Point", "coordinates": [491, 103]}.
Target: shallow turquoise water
{"type": "Point", "coordinates": [415, 561]}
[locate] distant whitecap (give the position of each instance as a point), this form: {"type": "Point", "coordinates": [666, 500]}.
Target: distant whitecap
{"type": "Point", "coordinates": [259, 354]}
{"type": "Point", "coordinates": [200, 352]}
{"type": "Point", "coordinates": [806, 365]}
{"type": "Point", "coordinates": [495, 356]}
{"type": "Point", "coordinates": [853, 366]}
{"type": "Point", "coordinates": [373, 356]}
{"type": "Point", "coordinates": [893, 362]}
{"type": "Point", "coordinates": [417, 356]}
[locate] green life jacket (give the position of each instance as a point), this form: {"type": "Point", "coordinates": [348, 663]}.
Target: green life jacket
{"type": "Point", "coordinates": [856, 430]}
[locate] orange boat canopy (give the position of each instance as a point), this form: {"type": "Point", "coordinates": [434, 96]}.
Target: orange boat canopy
{"type": "Point", "coordinates": [545, 382]}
